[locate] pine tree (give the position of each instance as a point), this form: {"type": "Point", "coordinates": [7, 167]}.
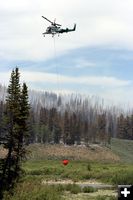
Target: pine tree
{"type": "Point", "coordinates": [11, 118]}
{"type": "Point", "coordinates": [125, 127]}
{"type": "Point", "coordinates": [16, 115]}
{"type": "Point", "coordinates": [85, 131]}
{"type": "Point", "coordinates": [66, 132]}
{"type": "Point", "coordinates": [56, 128]}
{"type": "Point", "coordinates": [23, 128]}
{"type": "Point", "coordinates": [101, 127]}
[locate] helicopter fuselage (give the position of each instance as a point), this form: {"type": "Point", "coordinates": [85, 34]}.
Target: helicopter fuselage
{"type": "Point", "coordinates": [52, 30]}
{"type": "Point", "coordinates": [56, 28]}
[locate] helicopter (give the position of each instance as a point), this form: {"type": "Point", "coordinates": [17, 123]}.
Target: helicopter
{"type": "Point", "coordinates": [56, 28]}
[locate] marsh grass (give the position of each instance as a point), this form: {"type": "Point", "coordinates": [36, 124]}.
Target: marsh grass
{"type": "Point", "coordinates": [30, 186]}
{"type": "Point", "coordinates": [113, 173]}
{"type": "Point", "coordinates": [73, 188]}
{"type": "Point", "coordinates": [89, 189]}
{"type": "Point", "coordinates": [34, 191]}
{"type": "Point", "coordinates": [85, 164]}
{"type": "Point", "coordinates": [123, 148]}
{"type": "Point", "coordinates": [105, 197]}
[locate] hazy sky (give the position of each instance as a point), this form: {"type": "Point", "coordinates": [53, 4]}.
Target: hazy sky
{"type": "Point", "coordinates": [96, 59]}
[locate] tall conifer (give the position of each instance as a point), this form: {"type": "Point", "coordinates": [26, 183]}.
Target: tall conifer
{"type": "Point", "coordinates": [16, 116]}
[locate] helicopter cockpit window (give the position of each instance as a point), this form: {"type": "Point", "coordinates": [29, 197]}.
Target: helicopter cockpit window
{"type": "Point", "coordinates": [49, 29]}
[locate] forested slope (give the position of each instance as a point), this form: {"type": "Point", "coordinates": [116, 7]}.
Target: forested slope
{"type": "Point", "coordinates": [73, 119]}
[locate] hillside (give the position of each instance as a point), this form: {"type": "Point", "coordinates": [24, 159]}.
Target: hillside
{"type": "Point", "coordinates": [123, 148]}
{"type": "Point", "coordinates": [119, 150]}
{"type": "Point", "coordinates": [52, 152]}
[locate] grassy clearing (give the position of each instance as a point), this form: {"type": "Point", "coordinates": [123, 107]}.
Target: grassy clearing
{"type": "Point", "coordinates": [86, 164]}
{"type": "Point", "coordinates": [31, 187]}
{"type": "Point", "coordinates": [112, 173]}
{"type": "Point", "coordinates": [33, 190]}
{"type": "Point", "coordinates": [123, 148]}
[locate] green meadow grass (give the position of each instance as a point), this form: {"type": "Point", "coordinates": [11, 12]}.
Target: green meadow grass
{"type": "Point", "coordinates": [123, 148]}
{"type": "Point", "coordinates": [36, 171]}
{"type": "Point", "coordinates": [33, 190]}
{"type": "Point", "coordinates": [30, 186]}
{"type": "Point", "coordinates": [113, 173]}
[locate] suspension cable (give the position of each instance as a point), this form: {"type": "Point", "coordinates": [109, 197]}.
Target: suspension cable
{"type": "Point", "coordinates": [56, 67]}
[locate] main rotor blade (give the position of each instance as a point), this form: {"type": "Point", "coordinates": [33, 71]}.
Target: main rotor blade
{"type": "Point", "coordinates": [47, 19]}
{"type": "Point", "coordinates": [57, 24]}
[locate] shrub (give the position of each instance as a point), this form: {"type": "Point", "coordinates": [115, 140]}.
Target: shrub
{"type": "Point", "coordinates": [88, 189]}
{"type": "Point", "coordinates": [73, 188]}
{"type": "Point", "coordinates": [86, 175]}
{"type": "Point", "coordinates": [123, 178]}
{"type": "Point", "coordinates": [89, 167]}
